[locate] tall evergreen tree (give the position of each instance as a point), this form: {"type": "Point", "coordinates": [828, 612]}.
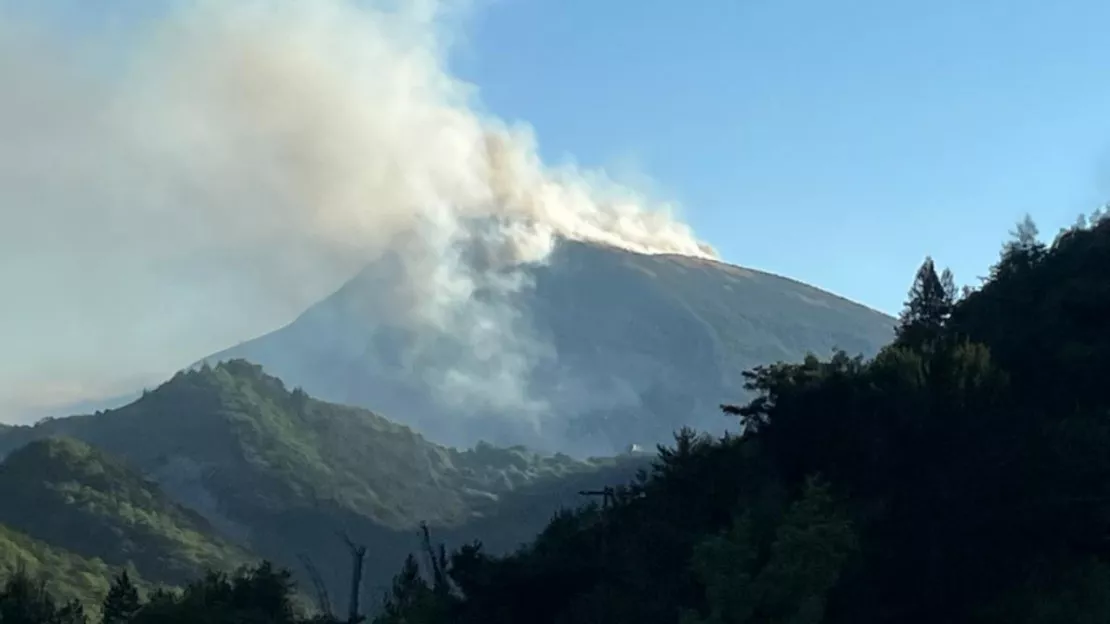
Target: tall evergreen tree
{"type": "Point", "coordinates": [1022, 251]}
{"type": "Point", "coordinates": [122, 602]}
{"type": "Point", "coordinates": [930, 302]}
{"type": "Point", "coordinates": [948, 283]}
{"type": "Point", "coordinates": [407, 595]}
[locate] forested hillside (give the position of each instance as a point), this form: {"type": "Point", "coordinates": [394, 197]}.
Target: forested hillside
{"type": "Point", "coordinates": [71, 496]}
{"type": "Point", "coordinates": [71, 577]}
{"type": "Point", "coordinates": [224, 461]}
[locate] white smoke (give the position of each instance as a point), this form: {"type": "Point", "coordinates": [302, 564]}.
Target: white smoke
{"type": "Point", "coordinates": [203, 178]}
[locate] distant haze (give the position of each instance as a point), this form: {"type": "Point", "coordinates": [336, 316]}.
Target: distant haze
{"type": "Point", "coordinates": [206, 174]}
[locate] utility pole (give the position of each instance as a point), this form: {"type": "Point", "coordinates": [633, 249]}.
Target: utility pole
{"type": "Point", "coordinates": [608, 496]}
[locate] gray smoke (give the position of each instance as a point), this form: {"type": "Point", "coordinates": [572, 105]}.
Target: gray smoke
{"type": "Point", "coordinates": [214, 169]}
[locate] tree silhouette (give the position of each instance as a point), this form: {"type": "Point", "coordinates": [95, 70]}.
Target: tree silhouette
{"type": "Point", "coordinates": [930, 303]}
{"type": "Point", "coordinates": [122, 602]}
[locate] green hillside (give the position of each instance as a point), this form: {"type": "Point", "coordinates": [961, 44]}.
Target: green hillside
{"type": "Point", "coordinates": [279, 474]}
{"type": "Point", "coordinates": [72, 496]}
{"type": "Point", "coordinates": [254, 445]}
{"type": "Point", "coordinates": [69, 576]}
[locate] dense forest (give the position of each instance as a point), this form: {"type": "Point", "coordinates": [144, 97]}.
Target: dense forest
{"type": "Point", "coordinates": [961, 475]}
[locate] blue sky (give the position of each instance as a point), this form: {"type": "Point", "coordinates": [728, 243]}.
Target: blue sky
{"type": "Point", "coordinates": [833, 142]}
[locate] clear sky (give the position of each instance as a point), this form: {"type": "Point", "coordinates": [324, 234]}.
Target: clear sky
{"type": "Point", "coordinates": [833, 142]}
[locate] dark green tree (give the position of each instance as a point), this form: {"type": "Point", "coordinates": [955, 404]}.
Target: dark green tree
{"type": "Point", "coordinates": [811, 545]}
{"type": "Point", "coordinates": [24, 600]}
{"type": "Point", "coordinates": [1021, 252]}
{"type": "Point", "coordinates": [122, 602]}
{"type": "Point", "coordinates": [257, 595]}
{"type": "Point", "coordinates": [408, 596]}
{"type": "Point", "coordinates": [725, 565]}
{"type": "Point", "coordinates": [412, 599]}
{"type": "Point", "coordinates": [930, 303]}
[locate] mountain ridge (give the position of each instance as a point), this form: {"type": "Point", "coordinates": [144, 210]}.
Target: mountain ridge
{"type": "Point", "coordinates": [277, 473]}
{"type": "Point", "coordinates": [640, 345]}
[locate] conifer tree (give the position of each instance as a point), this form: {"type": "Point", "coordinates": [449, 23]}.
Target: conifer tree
{"type": "Point", "coordinates": [1021, 252]}
{"type": "Point", "coordinates": [122, 602]}
{"type": "Point", "coordinates": [930, 302]}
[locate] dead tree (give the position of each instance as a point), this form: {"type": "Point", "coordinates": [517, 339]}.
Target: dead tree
{"type": "Point", "coordinates": [358, 553]}
{"type": "Point", "coordinates": [323, 601]}
{"type": "Point", "coordinates": [437, 560]}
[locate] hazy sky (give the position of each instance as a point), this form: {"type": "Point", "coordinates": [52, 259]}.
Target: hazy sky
{"type": "Point", "coordinates": [833, 142]}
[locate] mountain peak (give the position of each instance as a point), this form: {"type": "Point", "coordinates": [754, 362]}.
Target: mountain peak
{"type": "Point", "coordinates": [595, 349]}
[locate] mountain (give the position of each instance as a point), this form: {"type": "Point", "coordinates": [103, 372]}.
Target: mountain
{"type": "Point", "coordinates": [276, 473]}
{"type": "Point", "coordinates": [639, 346]}
{"type": "Point", "coordinates": [70, 495]}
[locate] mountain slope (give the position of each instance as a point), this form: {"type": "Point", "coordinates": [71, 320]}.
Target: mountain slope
{"type": "Point", "coordinates": [641, 345]}
{"type": "Point", "coordinates": [70, 495]}
{"type": "Point", "coordinates": [69, 576]}
{"type": "Point", "coordinates": [253, 445]}
{"type": "Point", "coordinates": [279, 473]}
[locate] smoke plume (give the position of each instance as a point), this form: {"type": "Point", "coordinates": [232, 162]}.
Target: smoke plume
{"type": "Point", "coordinates": [201, 175]}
